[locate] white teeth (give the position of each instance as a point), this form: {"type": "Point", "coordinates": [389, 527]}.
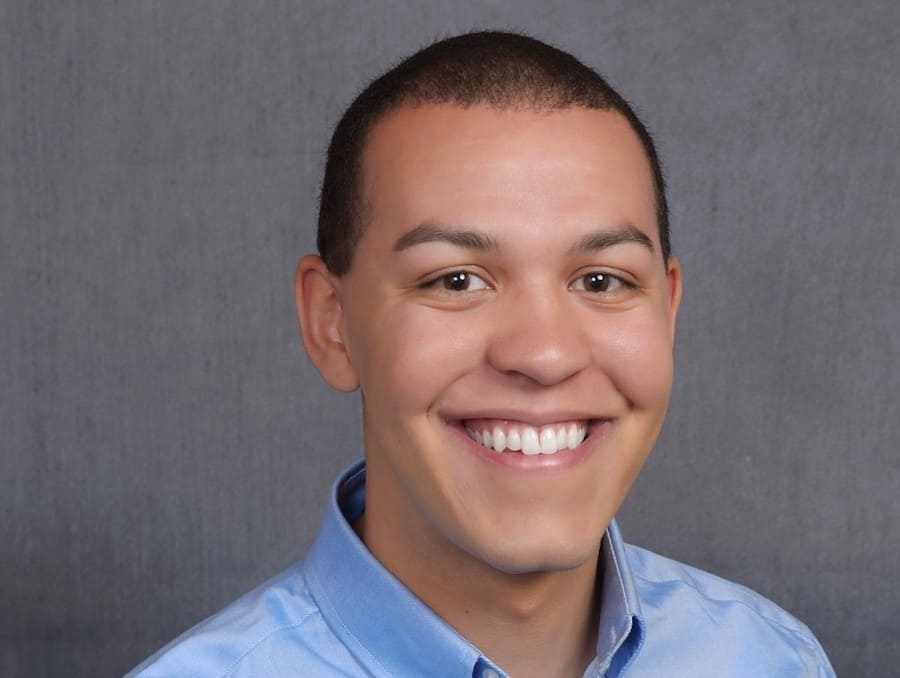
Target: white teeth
{"type": "Point", "coordinates": [499, 439]}
{"type": "Point", "coordinates": [573, 439]}
{"type": "Point", "coordinates": [548, 441]}
{"type": "Point", "coordinates": [531, 444]}
{"type": "Point", "coordinates": [531, 440]}
{"type": "Point", "coordinates": [486, 439]}
{"type": "Point", "coordinates": [513, 440]}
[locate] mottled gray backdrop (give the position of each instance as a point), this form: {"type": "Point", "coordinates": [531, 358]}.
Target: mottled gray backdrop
{"type": "Point", "coordinates": [166, 444]}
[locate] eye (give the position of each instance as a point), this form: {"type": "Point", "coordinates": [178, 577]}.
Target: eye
{"type": "Point", "coordinates": [461, 281]}
{"type": "Point", "coordinates": [598, 282]}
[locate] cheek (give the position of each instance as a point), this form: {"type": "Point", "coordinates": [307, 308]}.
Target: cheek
{"type": "Point", "coordinates": [637, 356]}
{"type": "Point", "coordinates": [413, 353]}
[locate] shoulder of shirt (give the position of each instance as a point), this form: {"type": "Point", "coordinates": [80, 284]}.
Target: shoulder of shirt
{"type": "Point", "coordinates": [281, 612]}
{"type": "Point", "coordinates": [722, 600]}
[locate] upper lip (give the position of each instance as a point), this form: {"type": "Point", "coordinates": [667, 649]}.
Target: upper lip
{"type": "Point", "coordinates": [527, 417]}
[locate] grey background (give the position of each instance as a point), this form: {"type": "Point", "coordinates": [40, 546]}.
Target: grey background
{"type": "Point", "coordinates": [166, 445]}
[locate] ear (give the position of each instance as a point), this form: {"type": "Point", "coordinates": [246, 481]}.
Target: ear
{"type": "Point", "coordinates": [321, 316]}
{"type": "Point", "coordinates": [673, 277]}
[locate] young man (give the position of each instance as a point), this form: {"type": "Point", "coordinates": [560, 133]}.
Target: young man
{"type": "Point", "coordinates": [495, 278]}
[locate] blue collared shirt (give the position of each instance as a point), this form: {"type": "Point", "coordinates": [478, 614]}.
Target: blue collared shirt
{"type": "Point", "coordinates": [340, 613]}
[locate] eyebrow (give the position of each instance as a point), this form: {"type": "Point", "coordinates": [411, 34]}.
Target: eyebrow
{"type": "Point", "coordinates": [480, 241]}
{"type": "Point", "coordinates": [434, 232]}
{"type": "Point", "coordinates": [602, 239]}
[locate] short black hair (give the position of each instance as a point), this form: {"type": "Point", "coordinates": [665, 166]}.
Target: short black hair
{"type": "Point", "coordinates": [495, 68]}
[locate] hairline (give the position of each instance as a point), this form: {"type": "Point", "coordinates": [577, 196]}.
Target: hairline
{"type": "Point", "coordinates": [514, 72]}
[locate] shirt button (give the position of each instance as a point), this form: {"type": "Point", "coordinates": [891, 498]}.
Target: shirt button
{"type": "Point", "coordinates": [489, 673]}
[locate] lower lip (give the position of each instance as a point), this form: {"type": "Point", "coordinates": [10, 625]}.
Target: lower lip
{"type": "Point", "coordinates": [537, 463]}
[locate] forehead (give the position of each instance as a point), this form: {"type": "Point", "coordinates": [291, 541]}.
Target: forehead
{"type": "Point", "coordinates": [480, 164]}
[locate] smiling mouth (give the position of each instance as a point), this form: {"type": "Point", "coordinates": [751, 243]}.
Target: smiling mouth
{"type": "Point", "coordinates": [505, 436]}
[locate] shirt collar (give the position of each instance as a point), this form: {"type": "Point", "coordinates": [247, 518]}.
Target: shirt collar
{"type": "Point", "coordinates": [621, 627]}
{"type": "Point", "coordinates": [391, 632]}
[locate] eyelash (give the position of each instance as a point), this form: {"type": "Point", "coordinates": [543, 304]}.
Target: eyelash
{"type": "Point", "coordinates": [622, 282]}
{"type": "Point", "coordinates": [443, 281]}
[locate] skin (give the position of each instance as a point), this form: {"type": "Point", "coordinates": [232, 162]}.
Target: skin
{"type": "Point", "coordinates": [507, 555]}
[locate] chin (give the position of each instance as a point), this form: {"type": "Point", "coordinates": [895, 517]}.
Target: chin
{"type": "Point", "coordinates": [538, 554]}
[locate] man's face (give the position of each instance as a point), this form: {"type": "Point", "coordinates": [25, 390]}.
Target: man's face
{"type": "Point", "coordinates": [509, 281]}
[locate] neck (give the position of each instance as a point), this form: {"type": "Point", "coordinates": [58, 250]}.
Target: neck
{"type": "Point", "coordinates": [533, 624]}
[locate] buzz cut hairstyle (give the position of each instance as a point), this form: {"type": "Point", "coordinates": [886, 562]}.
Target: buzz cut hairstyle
{"type": "Point", "coordinates": [503, 70]}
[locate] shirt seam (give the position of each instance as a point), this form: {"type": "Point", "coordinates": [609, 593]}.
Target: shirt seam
{"type": "Point", "coordinates": [343, 624]}
{"type": "Point", "coordinates": [259, 642]}
{"type": "Point", "coordinates": [796, 633]}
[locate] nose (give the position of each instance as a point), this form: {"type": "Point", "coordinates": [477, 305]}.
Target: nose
{"type": "Point", "coordinates": [540, 336]}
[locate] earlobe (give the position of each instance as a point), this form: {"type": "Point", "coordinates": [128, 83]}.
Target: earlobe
{"type": "Point", "coordinates": [319, 311]}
